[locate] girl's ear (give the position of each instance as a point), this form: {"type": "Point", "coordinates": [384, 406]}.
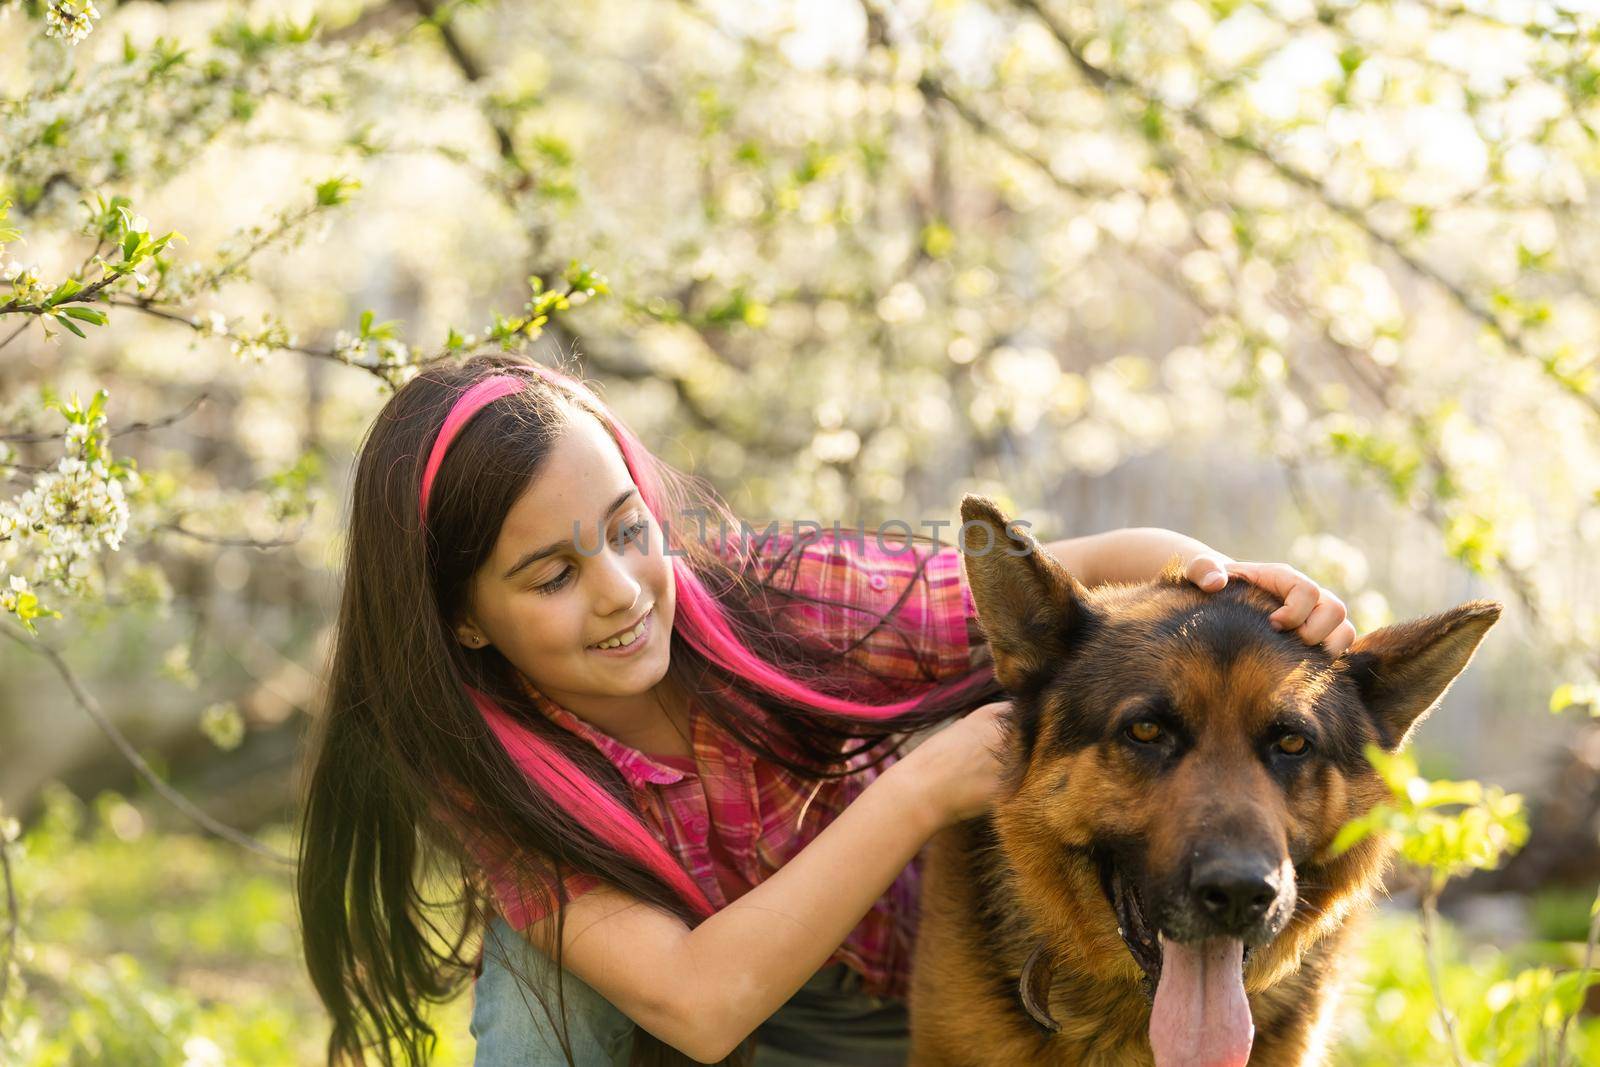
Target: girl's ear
{"type": "Point", "coordinates": [468, 633]}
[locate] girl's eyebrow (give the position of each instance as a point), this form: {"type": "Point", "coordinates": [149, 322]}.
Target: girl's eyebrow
{"type": "Point", "coordinates": [550, 550]}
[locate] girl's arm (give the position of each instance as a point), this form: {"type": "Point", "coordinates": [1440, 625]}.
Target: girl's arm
{"type": "Point", "coordinates": [704, 990]}
{"type": "Point", "coordinates": [1137, 554]}
{"type": "Point", "coordinates": [1133, 554]}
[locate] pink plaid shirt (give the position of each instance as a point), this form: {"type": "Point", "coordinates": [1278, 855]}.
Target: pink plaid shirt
{"type": "Point", "coordinates": [733, 818]}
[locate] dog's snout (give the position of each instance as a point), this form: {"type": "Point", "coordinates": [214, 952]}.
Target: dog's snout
{"type": "Point", "coordinates": [1234, 892]}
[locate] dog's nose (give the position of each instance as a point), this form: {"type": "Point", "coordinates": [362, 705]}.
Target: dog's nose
{"type": "Point", "coordinates": [1233, 891]}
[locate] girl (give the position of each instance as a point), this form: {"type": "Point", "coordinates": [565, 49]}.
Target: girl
{"type": "Point", "coordinates": [658, 762]}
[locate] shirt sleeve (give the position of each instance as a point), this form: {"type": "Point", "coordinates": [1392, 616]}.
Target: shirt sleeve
{"type": "Point", "coordinates": [901, 610]}
{"type": "Point", "coordinates": [526, 896]}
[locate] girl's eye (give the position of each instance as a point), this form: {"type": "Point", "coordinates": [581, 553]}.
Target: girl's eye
{"type": "Point", "coordinates": [1145, 732]}
{"type": "Point", "coordinates": [626, 536]}
{"type": "Point", "coordinates": [631, 533]}
{"type": "Point", "coordinates": [555, 583]}
{"type": "Point", "coordinates": [1294, 744]}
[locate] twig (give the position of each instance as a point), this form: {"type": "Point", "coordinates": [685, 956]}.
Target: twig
{"type": "Point", "coordinates": [166, 420]}
{"type": "Point", "coordinates": [14, 334]}
{"type": "Point", "coordinates": [83, 296]}
{"type": "Point", "coordinates": [13, 920]}
{"type": "Point", "coordinates": [1583, 981]}
{"type": "Point", "coordinates": [131, 754]}
{"type": "Point", "coordinates": [230, 542]}
{"type": "Point", "coordinates": [474, 71]}
{"type": "Point", "coordinates": [1107, 80]}
{"type": "Point", "coordinates": [132, 427]}
{"type": "Point", "coordinates": [1430, 952]}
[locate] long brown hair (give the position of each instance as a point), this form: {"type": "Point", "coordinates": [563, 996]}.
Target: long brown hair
{"type": "Point", "coordinates": [407, 785]}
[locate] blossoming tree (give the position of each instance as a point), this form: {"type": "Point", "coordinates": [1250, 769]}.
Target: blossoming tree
{"type": "Point", "coordinates": [847, 258]}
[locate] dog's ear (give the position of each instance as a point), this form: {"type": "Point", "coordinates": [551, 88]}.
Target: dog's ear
{"type": "Point", "coordinates": [1028, 605]}
{"type": "Point", "coordinates": [1402, 671]}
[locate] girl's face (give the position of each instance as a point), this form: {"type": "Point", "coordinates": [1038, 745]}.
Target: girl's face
{"type": "Point", "coordinates": [545, 600]}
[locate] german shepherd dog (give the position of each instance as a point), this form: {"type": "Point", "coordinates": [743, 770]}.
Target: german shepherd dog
{"type": "Point", "coordinates": [1153, 882]}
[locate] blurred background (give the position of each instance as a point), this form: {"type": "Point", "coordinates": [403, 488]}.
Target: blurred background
{"type": "Point", "coordinates": [1309, 281]}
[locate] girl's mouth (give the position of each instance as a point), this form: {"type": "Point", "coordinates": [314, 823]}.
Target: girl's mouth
{"type": "Point", "coordinates": [630, 642]}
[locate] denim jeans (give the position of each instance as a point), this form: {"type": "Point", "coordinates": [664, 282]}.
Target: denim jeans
{"type": "Point", "coordinates": [828, 1021]}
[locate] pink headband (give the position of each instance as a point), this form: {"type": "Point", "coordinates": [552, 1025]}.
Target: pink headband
{"type": "Point", "coordinates": [465, 407]}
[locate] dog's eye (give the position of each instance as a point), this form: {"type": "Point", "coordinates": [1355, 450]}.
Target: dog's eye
{"type": "Point", "coordinates": [1294, 744]}
{"type": "Point", "coordinates": [1145, 732]}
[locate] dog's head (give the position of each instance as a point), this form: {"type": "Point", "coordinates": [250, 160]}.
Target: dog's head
{"type": "Point", "coordinates": [1177, 770]}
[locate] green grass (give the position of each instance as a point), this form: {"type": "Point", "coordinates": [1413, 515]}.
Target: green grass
{"type": "Point", "coordinates": [1498, 998]}
{"type": "Point", "coordinates": [145, 949]}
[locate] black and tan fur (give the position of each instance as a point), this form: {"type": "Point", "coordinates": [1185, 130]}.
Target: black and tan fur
{"type": "Point", "coordinates": [1020, 959]}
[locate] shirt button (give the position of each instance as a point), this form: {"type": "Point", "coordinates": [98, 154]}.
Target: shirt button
{"type": "Point", "coordinates": [878, 581]}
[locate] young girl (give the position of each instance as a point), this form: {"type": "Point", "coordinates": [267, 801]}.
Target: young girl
{"type": "Point", "coordinates": [656, 758]}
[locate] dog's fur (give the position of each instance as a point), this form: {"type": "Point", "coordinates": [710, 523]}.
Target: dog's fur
{"type": "Point", "coordinates": [1019, 933]}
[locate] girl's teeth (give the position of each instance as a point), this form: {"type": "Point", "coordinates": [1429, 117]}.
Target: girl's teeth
{"type": "Point", "coordinates": [626, 639]}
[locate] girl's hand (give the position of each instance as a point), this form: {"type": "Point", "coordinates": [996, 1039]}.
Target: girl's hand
{"type": "Point", "coordinates": [956, 770]}
{"type": "Point", "coordinates": [1310, 610]}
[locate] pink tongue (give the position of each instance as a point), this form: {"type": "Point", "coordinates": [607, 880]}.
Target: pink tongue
{"type": "Point", "coordinates": [1201, 1017]}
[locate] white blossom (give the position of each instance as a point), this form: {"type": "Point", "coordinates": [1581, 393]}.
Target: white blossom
{"type": "Point", "coordinates": [213, 324]}
{"type": "Point", "coordinates": [70, 19]}
{"type": "Point", "coordinates": [64, 520]}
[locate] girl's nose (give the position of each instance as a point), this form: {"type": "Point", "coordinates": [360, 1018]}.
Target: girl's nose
{"type": "Point", "coordinates": [617, 590]}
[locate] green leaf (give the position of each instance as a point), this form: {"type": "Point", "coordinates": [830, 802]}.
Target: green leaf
{"type": "Point", "coordinates": [1441, 793]}
{"type": "Point", "coordinates": [83, 314]}
{"type": "Point", "coordinates": [335, 190]}
{"type": "Point", "coordinates": [553, 149]}
{"type": "Point", "coordinates": [69, 324]}
{"type": "Point", "coordinates": [1356, 830]}
{"type": "Point", "coordinates": [1568, 989]}
{"type": "Point", "coordinates": [65, 291]}
{"type": "Point", "coordinates": [1573, 693]}
{"type": "Point", "coordinates": [937, 239]}
{"type": "Point", "coordinates": [1397, 769]}
{"type": "Point", "coordinates": [1153, 123]}
{"type": "Point", "coordinates": [583, 279]}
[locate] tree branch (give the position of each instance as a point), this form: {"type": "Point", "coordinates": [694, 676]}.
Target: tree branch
{"type": "Point", "coordinates": [1107, 80]}
{"type": "Point", "coordinates": [132, 427]}
{"type": "Point", "coordinates": [92, 708]}
{"type": "Point", "coordinates": [176, 527]}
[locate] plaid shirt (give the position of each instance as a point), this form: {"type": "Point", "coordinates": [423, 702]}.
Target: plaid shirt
{"type": "Point", "coordinates": [732, 818]}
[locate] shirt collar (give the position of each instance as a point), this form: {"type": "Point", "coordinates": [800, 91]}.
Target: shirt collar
{"type": "Point", "coordinates": [637, 767]}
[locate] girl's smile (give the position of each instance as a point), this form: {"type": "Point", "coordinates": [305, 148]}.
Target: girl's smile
{"type": "Point", "coordinates": [629, 642]}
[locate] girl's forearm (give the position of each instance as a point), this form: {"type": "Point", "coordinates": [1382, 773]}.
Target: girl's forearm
{"type": "Point", "coordinates": [1133, 554]}
{"type": "Point", "coordinates": [749, 958]}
